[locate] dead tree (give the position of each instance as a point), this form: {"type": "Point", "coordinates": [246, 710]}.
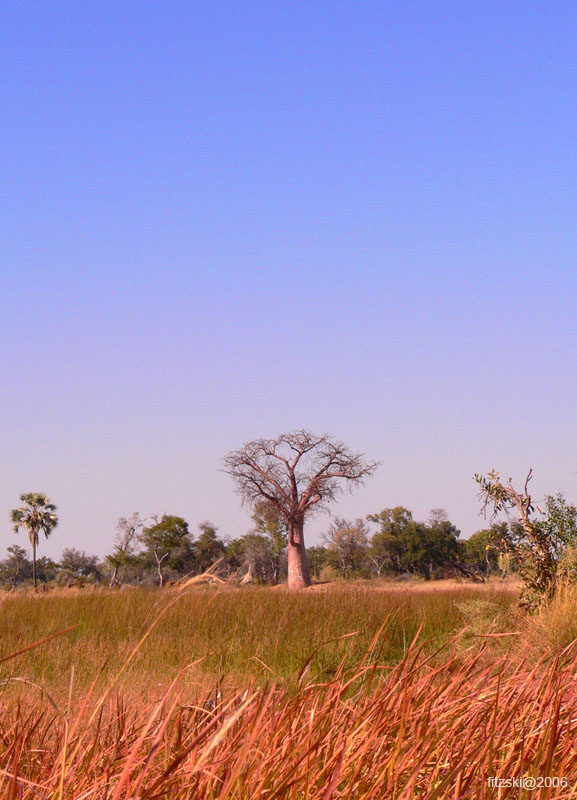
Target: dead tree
{"type": "Point", "coordinates": [159, 561]}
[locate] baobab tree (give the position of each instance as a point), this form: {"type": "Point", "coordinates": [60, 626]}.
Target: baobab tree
{"type": "Point", "coordinates": [297, 473]}
{"type": "Point", "coordinates": [37, 514]}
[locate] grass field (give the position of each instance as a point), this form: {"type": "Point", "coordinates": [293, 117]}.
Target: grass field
{"type": "Point", "coordinates": [342, 691]}
{"type": "Point", "coordinates": [238, 633]}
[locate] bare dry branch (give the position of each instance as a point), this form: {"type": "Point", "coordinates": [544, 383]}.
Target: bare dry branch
{"type": "Point", "coordinates": [313, 476]}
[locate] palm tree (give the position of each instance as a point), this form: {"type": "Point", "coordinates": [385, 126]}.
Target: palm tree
{"type": "Point", "coordinates": [37, 514]}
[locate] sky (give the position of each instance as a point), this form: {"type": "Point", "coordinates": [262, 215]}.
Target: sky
{"type": "Point", "coordinates": [221, 221]}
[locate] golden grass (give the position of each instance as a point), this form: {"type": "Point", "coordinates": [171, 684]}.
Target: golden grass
{"type": "Point", "coordinates": [431, 716]}
{"type": "Point", "coordinates": [238, 634]}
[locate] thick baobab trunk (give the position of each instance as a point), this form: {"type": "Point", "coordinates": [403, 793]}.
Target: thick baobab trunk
{"type": "Point", "coordinates": [299, 576]}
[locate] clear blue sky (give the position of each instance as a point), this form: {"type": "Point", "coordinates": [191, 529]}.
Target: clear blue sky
{"type": "Point", "coordinates": [224, 220]}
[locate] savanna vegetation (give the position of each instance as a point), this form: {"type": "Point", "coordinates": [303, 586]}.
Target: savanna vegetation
{"type": "Point", "coordinates": [184, 665]}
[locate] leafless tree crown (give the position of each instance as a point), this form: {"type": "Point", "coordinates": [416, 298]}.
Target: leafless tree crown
{"type": "Point", "coordinates": [127, 530]}
{"type": "Point", "coordinates": [437, 516]}
{"type": "Point", "coordinates": [296, 471]}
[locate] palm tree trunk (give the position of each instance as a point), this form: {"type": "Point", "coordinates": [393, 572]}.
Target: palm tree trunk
{"type": "Point", "coordinates": [34, 564]}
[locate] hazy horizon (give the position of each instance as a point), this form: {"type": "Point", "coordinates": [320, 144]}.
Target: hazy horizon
{"type": "Point", "coordinates": [223, 222]}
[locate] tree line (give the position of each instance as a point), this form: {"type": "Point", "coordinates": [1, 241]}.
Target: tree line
{"type": "Point", "coordinates": [164, 549]}
{"type": "Point", "coordinates": [284, 481]}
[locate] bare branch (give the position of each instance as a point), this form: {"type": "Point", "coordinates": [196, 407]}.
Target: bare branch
{"type": "Point", "coordinates": [312, 475]}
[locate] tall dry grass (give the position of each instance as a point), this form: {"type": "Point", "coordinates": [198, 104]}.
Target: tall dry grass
{"type": "Point", "coordinates": [434, 717]}
{"type": "Point", "coordinates": [554, 627]}
{"type": "Point", "coordinates": [413, 731]}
